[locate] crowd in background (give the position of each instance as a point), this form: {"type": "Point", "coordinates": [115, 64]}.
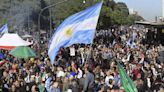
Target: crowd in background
{"type": "Point", "coordinates": [91, 68]}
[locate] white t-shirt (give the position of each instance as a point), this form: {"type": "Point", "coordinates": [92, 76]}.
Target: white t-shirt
{"type": "Point", "coordinates": [80, 74]}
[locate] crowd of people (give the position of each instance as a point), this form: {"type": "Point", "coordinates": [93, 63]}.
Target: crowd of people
{"type": "Point", "coordinates": [90, 68]}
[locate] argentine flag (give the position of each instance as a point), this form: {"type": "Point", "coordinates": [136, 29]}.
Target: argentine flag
{"type": "Point", "coordinates": [78, 28]}
{"type": "Point", "coordinates": [4, 29]}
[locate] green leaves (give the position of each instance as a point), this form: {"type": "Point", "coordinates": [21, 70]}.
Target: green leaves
{"type": "Point", "coordinates": [21, 12]}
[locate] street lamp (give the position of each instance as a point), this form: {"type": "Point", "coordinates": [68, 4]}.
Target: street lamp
{"type": "Point", "coordinates": [84, 1]}
{"type": "Point", "coordinates": [42, 10]}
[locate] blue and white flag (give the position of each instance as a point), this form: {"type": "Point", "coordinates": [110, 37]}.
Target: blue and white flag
{"type": "Point", "coordinates": [4, 29]}
{"type": "Point", "coordinates": [78, 28]}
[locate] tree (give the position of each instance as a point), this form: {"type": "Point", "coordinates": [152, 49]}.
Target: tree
{"type": "Point", "coordinates": [17, 13]}
{"type": "Point", "coordinates": [22, 14]}
{"type": "Point", "coordinates": [132, 18]}
{"type": "Point", "coordinates": [112, 13]}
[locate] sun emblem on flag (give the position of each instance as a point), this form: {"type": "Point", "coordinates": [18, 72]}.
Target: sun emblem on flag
{"type": "Point", "coordinates": [69, 32]}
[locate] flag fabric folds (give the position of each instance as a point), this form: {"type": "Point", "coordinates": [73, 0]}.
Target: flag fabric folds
{"type": "Point", "coordinates": [126, 81]}
{"type": "Point", "coordinates": [78, 28]}
{"type": "Point", "coordinates": [4, 29]}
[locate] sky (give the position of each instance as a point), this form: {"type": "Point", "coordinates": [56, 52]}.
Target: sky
{"type": "Point", "coordinates": [146, 8]}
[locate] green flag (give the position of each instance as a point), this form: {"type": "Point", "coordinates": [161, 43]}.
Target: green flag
{"type": "Point", "coordinates": [126, 81]}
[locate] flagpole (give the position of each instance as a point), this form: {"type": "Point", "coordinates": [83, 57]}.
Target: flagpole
{"type": "Point", "coordinates": [92, 42]}
{"type": "Point", "coordinates": [90, 47]}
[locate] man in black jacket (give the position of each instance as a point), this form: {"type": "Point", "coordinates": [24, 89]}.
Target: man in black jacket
{"type": "Point", "coordinates": [89, 81]}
